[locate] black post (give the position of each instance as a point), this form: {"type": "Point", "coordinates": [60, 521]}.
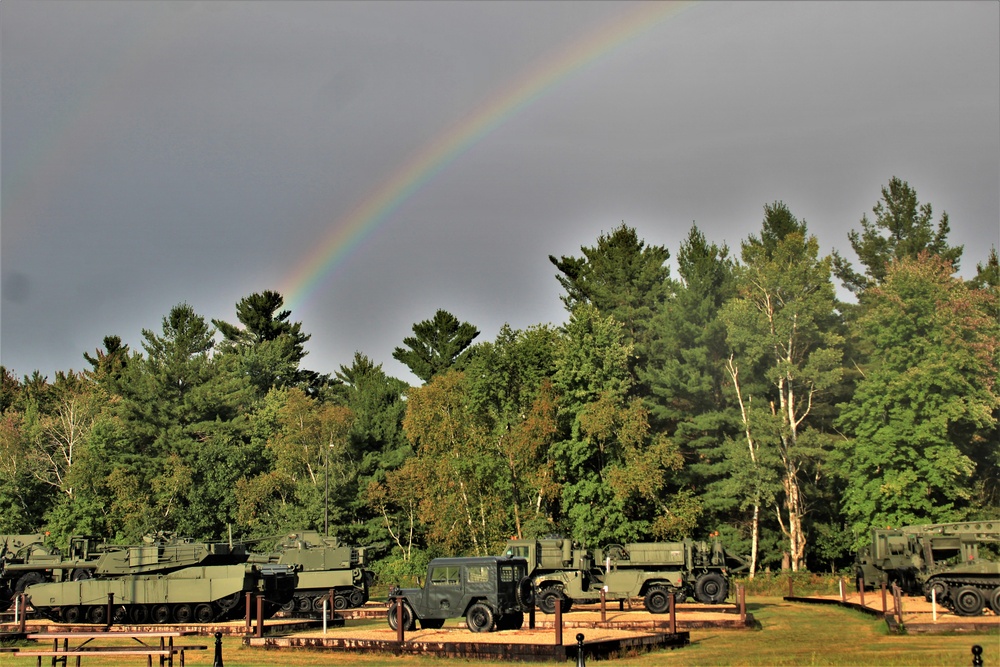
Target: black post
{"type": "Point", "coordinates": [977, 655]}
{"type": "Point", "coordinates": [218, 650]}
{"type": "Point", "coordinates": [581, 661]}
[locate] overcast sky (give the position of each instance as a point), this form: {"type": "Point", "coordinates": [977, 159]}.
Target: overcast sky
{"type": "Point", "coordinates": [155, 153]}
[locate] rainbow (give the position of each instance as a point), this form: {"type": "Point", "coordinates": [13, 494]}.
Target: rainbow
{"type": "Point", "coordinates": [347, 233]}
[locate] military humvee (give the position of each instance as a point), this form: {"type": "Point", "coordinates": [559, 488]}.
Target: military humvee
{"type": "Point", "coordinates": [491, 592]}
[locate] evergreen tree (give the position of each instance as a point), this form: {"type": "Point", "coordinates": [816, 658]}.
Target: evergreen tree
{"type": "Point", "coordinates": [439, 345]}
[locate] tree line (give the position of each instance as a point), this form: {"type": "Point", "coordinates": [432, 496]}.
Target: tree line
{"type": "Point", "coordinates": [740, 397]}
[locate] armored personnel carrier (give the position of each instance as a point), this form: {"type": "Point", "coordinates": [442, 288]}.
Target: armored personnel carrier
{"type": "Point", "coordinates": [941, 559]}
{"type": "Point", "coordinates": [323, 565]}
{"type": "Point", "coordinates": [166, 580]}
{"type": "Point", "coordinates": [564, 573]}
{"type": "Point", "coordinates": [27, 560]}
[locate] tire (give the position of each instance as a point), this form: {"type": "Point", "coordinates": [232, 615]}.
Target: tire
{"type": "Point", "coordinates": [408, 616]}
{"type": "Point", "coordinates": [548, 598]}
{"type": "Point", "coordinates": [304, 604]}
{"type": "Point", "coordinates": [358, 597]}
{"type": "Point", "coordinates": [432, 623]}
{"type": "Point", "coordinates": [204, 613]}
{"type": "Point", "coordinates": [28, 579]}
{"type": "Point", "coordinates": [480, 618]}
{"type": "Point", "coordinates": [940, 592]}
{"type": "Point", "coordinates": [97, 614]}
{"type": "Point", "coordinates": [139, 614]}
{"type": "Point", "coordinates": [71, 614]}
{"type": "Point", "coordinates": [525, 593]}
{"type": "Point", "coordinates": [657, 600]}
{"type": "Point", "coordinates": [161, 614]}
{"type": "Point", "coordinates": [183, 613]}
{"type": "Point", "coordinates": [968, 601]}
{"type": "Point", "coordinates": [711, 588]}
{"type": "Point", "coordinates": [995, 600]}
{"type": "Point", "coordinates": [80, 575]}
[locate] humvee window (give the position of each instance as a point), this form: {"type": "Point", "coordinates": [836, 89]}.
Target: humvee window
{"type": "Point", "coordinates": [445, 576]}
{"type": "Point", "coordinates": [478, 574]}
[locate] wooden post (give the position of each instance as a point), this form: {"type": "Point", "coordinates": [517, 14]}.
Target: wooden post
{"type": "Point", "coordinates": [673, 616]}
{"type": "Point", "coordinates": [333, 614]}
{"type": "Point", "coordinates": [604, 608]}
{"type": "Point", "coordinates": [109, 611]}
{"type": "Point", "coordinates": [741, 592]}
{"type": "Point", "coordinates": [558, 624]}
{"type": "Point", "coordinates": [246, 617]}
{"type": "Point", "coordinates": [22, 619]}
{"type": "Point", "coordinates": [885, 608]}
{"type": "Point", "coordinates": [861, 590]}
{"type": "Point", "coordinates": [400, 635]}
{"type": "Point", "coordinates": [260, 616]}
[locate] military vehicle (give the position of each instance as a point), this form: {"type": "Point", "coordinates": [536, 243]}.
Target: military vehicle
{"type": "Point", "coordinates": [563, 573]}
{"type": "Point", "coordinates": [323, 564]}
{"type": "Point", "coordinates": [166, 580]}
{"type": "Point", "coordinates": [27, 559]}
{"type": "Point", "coordinates": [940, 559]}
{"type": "Point", "coordinates": [491, 592]}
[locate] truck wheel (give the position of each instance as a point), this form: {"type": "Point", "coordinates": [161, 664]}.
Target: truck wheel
{"type": "Point", "coordinates": [969, 601]}
{"type": "Point", "coordinates": [656, 600]}
{"type": "Point", "coordinates": [525, 593]}
{"type": "Point", "coordinates": [408, 621]}
{"type": "Point", "coordinates": [995, 601]}
{"type": "Point", "coordinates": [480, 618]}
{"type": "Point", "coordinates": [548, 598]}
{"type": "Point", "coordinates": [711, 588]}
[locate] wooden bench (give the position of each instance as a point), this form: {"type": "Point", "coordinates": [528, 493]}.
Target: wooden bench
{"type": "Point", "coordinates": [165, 655]}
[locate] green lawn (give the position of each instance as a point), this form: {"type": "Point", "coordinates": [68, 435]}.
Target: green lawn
{"type": "Point", "coordinates": [790, 634]}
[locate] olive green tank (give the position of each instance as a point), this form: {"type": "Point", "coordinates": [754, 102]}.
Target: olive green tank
{"type": "Point", "coordinates": [323, 565]}
{"type": "Point", "coordinates": [166, 580]}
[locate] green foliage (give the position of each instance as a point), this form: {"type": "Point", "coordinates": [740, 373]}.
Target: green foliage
{"type": "Point", "coordinates": [922, 423]}
{"type": "Point", "coordinates": [437, 346]}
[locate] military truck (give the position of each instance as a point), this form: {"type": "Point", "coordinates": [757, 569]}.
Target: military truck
{"type": "Point", "coordinates": [564, 573]}
{"type": "Point", "coordinates": [939, 559]}
{"type": "Point", "coordinates": [491, 592]}
{"type": "Point", "coordinates": [28, 559]}
{"type": "Point", "coordinates": [165, 580]}
{"type": "Point", "coordinates": [324, 564]}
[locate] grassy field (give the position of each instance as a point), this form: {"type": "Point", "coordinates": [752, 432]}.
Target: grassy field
{"type": "Point", "coordinates": [790, 634]}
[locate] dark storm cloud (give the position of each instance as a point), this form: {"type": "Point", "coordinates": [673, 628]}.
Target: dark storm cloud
{"type": "Point", "coordinates": [161, 152]}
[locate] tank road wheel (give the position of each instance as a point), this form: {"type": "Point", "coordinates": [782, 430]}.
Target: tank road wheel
{"type": "Point", "coordinates": [995, 600]}
{"type": "Point", "coordinates": [119, 614]}
{"type": "Point", "coordinates": [97, 614]}
{"type": "Point", "coordinates": [657, 600]}
{"type": "Point", "coordinates": [968, 601]}
{"type": "Point", "coordinates": [182, 613]}
{"type": "Point", "coordinates": [548, 598]}
{"type": "Point", "coordinates": [408, 620]}
{"type": "Point", "coordinates": [940, 591]}
{"type": "Point", "coordinates": [304, 604]}
{"type": "Point", "coordinates": [340, 602]}
{"type": "Point", "coordinates": [203, 613]}
{"type": "Point", "coordinates": [711, 588]}
{"type": "Point", "coordinates": [139, 614]}
{"type": "Point", "coordinates": [357, 597]}
{"type": "Point", "coordinates": [71, 614]}
{"type": "Point", "coordinates": [288, 607]}
{"type": "Point", "coordinates": [161, 614]}
{"type": "Point", "coordinates": [525, 593]}
{"type": "Point", "coordinates": [432, 623]}
{"type": "Point", "coordinates": [480, 618]}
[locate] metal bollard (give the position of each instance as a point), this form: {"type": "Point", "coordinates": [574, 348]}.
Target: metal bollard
{"type": "Point", "coordinates": [581, 660]}
{"type": "Point", "coordinates": [218, 650]}
{"type": "Point", "coordinates": [977, 655]}
{"type": "Point", "coordinates": [110, 610]}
